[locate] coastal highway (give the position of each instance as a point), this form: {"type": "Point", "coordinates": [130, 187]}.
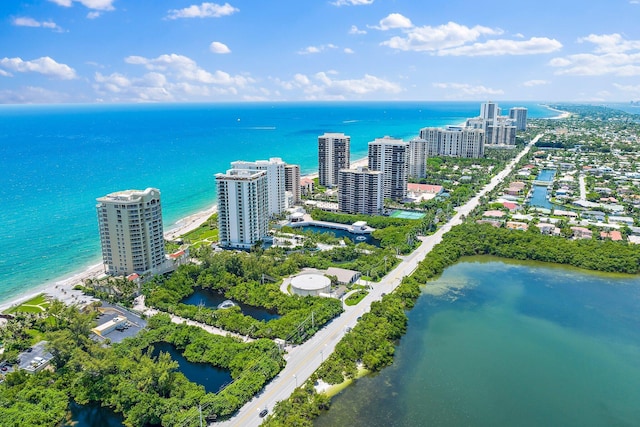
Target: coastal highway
{"type": "Point", "coordinates": [304, 359]}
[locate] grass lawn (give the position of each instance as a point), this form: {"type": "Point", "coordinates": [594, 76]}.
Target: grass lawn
{"type": "Point", "coordinates": [37, 304]}
{"type": "Point", "coordinates": [355, 297]}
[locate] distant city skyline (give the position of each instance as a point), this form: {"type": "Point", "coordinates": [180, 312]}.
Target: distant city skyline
{"type": "Point", "coordinates": [121, 51]}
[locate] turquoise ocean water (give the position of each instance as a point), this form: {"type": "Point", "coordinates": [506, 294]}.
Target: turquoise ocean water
{"type": "Point", "coordinates": [56, 160]}
{"type": "Point", "coordinates": [509, 344]}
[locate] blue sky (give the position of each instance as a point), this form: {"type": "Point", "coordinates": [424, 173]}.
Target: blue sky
{"type": "Point", "coordinates": [60, 51]}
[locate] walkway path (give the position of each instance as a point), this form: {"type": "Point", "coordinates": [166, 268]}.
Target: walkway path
{"type": "Point", "coordinates": [304, 360]}
{"type": "Point", "coordinates": [142, 308]}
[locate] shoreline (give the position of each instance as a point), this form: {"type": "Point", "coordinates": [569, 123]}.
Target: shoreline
{"type": "Point", "coordinates": [61, 287]}
{"type": "Point", "coordinates": [562, 114]}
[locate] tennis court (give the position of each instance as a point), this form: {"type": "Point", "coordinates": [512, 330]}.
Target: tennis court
{"type": "Point", "coordinates": [406, 214]}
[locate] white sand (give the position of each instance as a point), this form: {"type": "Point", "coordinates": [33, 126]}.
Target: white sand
{"type": "Point", "coordinates": [62, 288]}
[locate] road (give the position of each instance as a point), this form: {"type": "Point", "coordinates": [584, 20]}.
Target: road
{"type": "Point", "coordinates": [305, 359]}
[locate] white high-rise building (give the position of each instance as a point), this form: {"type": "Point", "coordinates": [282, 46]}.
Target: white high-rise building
{"type": "Point", "coordinates": [243, 207]}
{"type": "Point", "coordinates": [389, 155]}
{"type": "Point", "coordinates": [131, 232]}
{"type": "Point", "coordinates": [333, 155]}
{"type": "Point", "coordinates": [498, 130]}
{"type": "Point", "coordinates": [452, 142]}
{"type": "Point", "coordinates": [292, 182]}
{"type": "Point", "coordinates": [417, 158]}
{"type": "Point", "coordinates": [489, 110]}
{"type": "Point", "coordinates": [360, 191]}
{"type": "Point", "coordinates": [519, 117]}
{"type": "Point", "coordinates": [276, 180]}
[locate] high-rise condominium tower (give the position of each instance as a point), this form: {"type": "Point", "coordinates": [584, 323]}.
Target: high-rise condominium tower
{"type": "Point", "coordinates": [389, 156]}
{"type": "Point", "coordinates": [131, 232]}
{"type": "Point", "coordinates": [275, 180]}
{"type": "Point", "coordinates": [243, 207]}
{"type": "Point", "coordinates": [333, 155]}
{"type": "Point", "coordinates": [519, 117]}
{"type": "Point", "coordinates": [360, 191]}
{"type": "Point", "coordinates": [292, 181]}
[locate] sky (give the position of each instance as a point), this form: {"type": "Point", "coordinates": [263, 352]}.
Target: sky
{"type": "Point", "coordinates": [127, 51]}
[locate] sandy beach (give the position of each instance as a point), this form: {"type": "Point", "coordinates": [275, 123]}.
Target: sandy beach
{"type": "Point", "coordinates": [62, 288]}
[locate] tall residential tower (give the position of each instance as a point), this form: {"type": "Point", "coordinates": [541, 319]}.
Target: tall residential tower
{"type": "Point", "coordinates": [275, 180]}
{"type": "Point", "coordinates": [333, 155]}
{"type": "Point", "coordinates": [360, 191]}
{"type": "Point", "coordinates": [243, 207]}
{"type": "Point", "coordinates": [389, 156]}
{"type": "Point", "coordinates": [131, 232]}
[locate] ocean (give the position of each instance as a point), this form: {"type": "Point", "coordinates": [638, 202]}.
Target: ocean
{"type": "Point", "coordinates": [56, 160]}
{"type": "Point", "coordinates": [508, 344]}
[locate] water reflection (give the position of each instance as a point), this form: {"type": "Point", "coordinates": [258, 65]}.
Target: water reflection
{"type": "Point", "coordinates": [211, 299]}
{"type": "Point", "coordinates": [92, 415]}
{"type": "Point", "coordinates": [211, 377]}
{"type": "Point", "coordinates": [355, 238]}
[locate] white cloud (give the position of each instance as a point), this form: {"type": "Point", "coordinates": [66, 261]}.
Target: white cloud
{"type": "Point", "coordinates": [611, 55]}
{"type": "Point", "coordinates": [44, 65]}
{"type": "Point", "coordinates": [465, 90]}
{"type": "Point", "coordinates": [348, 50]}
{"type": "Point", "coordinates": [148, 88]}
{"type": "Point", "coordinates": [535, 45]}
{"type": "Point", "coordinates": [205, 10]}
{"type": "Point", "coordinates": [321, 86]}
{"type": "Point", "coordinates": [355, 30]}
{"type": "Point", "coordinates": [532, 83]}
{"type": "Point", "coordinates": [30, 22]}
{"type": "Point", "coordinates": [393, 20]}
{"type": "Point", "coordinates": [32, 95]}
{"type": "Point", "coordinates": [184, 68]}
{"type": "Point", "coordinates": [91, 4]}
{"type": "Point", "coordinates": [316, 49]}
{"type": "Point", "coordinates": [217, 47]}
{"type": "Point", "coordinates": [4, 73]}
{"type": "Point", "coordinates": [93, 15]}
{"type": "Point", "coordinates": [628, 89]}
{"type": "Point", "coordinates": [352, 2]}
{"type": "Point", "coordinates": [430, 39]}
{"type": "Point", "coordinates": [610, 43]}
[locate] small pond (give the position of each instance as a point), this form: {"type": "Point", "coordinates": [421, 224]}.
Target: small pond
{"type": "Point", "coordinates": [92, 415]}
{"type": "Point", "coordinates": [355, 238]}
{"type": "Point", "coordinates": [211, 377]}
{"type": "Point", "coordinates": [211, 299]}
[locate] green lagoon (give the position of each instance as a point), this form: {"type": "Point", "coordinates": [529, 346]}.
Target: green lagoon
{"type": "Point", "coordinates": [501, 343]}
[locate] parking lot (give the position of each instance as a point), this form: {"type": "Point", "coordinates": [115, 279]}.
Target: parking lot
{"type": "Point", "coordinates": [131, 327]}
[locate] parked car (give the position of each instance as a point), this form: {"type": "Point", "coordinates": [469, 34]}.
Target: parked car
{"type": "Point", "coordinates": [264, 413]}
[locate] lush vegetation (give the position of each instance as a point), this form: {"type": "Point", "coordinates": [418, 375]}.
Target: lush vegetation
{"type": "Point", "coordinates": [241, 277]}
{"type": "Point", "coordinates": [126, 377]}
{"type": "Point", "coordinates": [371, 343]}
{"type": "Point", "coordinates": [37, 304]}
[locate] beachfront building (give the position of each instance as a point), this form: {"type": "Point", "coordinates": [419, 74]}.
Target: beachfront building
{"type": "Point", "coordinates": [360, 191]}
{"type": "Point", "coordinates": [389, 156]}
{"type": "Point", "coordinates": [243, 207]}
{"type": "Point", "coordinates": [417, 158]}
{"type": "Point", "coordinates": [453, 141]}
{"type": "Point", "coordinates": [333, 155]}
{"type": "Point", "coordinates": [519, 117]}
{"type": "Point", "coordinates": [498, 130]}
{"type": "Point", "coordinates": [131, 232]}
{"type": "Point", "coordinates": [275, 169]}
{"type": "Point", "coordinates": [292, 182]}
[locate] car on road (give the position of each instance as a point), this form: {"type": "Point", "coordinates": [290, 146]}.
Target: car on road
{"type": "Point", "coordinates": [263, 413]}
